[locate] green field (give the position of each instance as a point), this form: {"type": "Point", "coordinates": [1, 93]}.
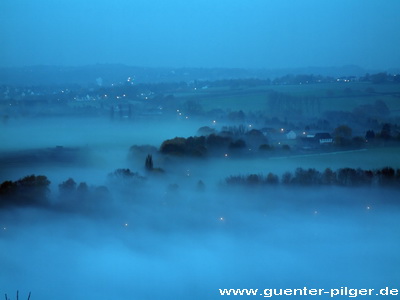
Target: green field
{"type": "Point", "coordinates": [332, 96]}
{"type": "Point", "coordinates": [365, 159]}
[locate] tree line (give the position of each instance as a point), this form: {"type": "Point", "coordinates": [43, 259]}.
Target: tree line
{"type": "Point", "coordinates": [30, 190]}
{"type": "Point", "coordinates": [34, 190]}
{"type": "Point", "coordinates": [348, 177]}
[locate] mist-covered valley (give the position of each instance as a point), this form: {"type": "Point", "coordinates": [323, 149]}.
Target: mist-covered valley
{"type": "Point", "coordinates": [180, 230]}
{"type": "Point", "coordinates": [188, 244]}
{"type": "Point", "coordinates": [199, 149]}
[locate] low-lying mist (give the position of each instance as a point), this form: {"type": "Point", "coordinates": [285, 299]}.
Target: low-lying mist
{"type": "Point", "coordinates": [100, 145]}
{"type": "Point", "coordinates": [186, 244]}
{"type": "Point", "coordinates": [179, 232]}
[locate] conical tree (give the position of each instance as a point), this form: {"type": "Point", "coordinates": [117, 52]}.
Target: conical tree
{"type": "Point", "coordinates": [149, 162]}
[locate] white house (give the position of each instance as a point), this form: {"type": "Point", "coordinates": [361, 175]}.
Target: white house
{"type": "Point", "coordinates": [323, 138]}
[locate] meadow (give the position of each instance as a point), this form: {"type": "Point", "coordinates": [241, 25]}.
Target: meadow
{"type": "Point", "coordinates": [343, 96]}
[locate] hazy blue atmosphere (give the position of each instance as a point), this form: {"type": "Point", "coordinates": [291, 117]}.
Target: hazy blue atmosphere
{"type": "Point", "coordinates": [198, 149]}
{"type": "Point", "coordinates": [201, 33]}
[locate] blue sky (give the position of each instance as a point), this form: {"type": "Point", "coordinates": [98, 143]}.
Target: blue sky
{"type": "Point", "coordinates": [201, 33]}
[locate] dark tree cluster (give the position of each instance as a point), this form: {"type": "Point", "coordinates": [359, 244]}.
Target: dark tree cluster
{"type": "Point", "coordinates": [389, 134]}
{"type": "Point", "coordinates": [232, 139]}
{"type": "Point", "coordinates": [73, 195]}
{"type": "Point", "coordinates": [343, 136]}
{"type": "Point", "coordinates": [200, 146]}
{"type": "Point", "coordinates": [253, 179]}
{"type": "Point", "coordinates": [349, 177]}
{"type": "Point", "coordinates": [69, 189]}
{"type": "Point", "coordinates": [125, 174]}
{"type": "Point", "coordinates": [179, 146]}
{"type": "Point", "coordinates": [30, 190]}
{"type": "Point", "coordinates": [365, 115]}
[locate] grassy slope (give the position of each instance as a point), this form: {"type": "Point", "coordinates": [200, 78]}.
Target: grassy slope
{"type": "Point", "coordinates": [333, 96]}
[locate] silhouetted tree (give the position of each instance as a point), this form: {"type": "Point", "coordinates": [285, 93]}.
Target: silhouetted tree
{"type": "Point", "coordinates": [174, 146]}
{"type": "Point", "coordinates": [379, 78]}
{"type": "Point", "coordinates": [125, 174]}
{"type": "Point", "coordinates": [342, 135]}
{"type": "Point", "coordinates": [386, 131]}
{"type": "Point", "coordinates": [253, 179]}
{"type": "Point", "coordinates": [370, 135]}
{"type": "Point", "coordinates": [386, 176]}
{"type": "Point", "coordinates": [272, 179]}
{"type": "Point", "coordinates": [216, 141]}
{"type": "Point", "coordinates": [192, 146]}
{"type": "Point", "coordinates": [82, 191]}
{"type": "Point", "coordinates": [67, 186]}
{"type": "Point", "coordinates": [255, 138]}
{"type": "Point", "coordinates": [307, 177]}
{"type": "Point", "coordinates": [347, 177]}
{"type": "Point", "coordinates": [328, 177]}
{"type": "Point", "coordinates": [149, 162]}
{"type": "Point", "coordinates": [30, 190]}
{"type": "Point", "coordinates": [238, 144]}
{"type": "Point", "coordinates": [287, 178]}
{"type": "Point", "coordinates": [343, 131]}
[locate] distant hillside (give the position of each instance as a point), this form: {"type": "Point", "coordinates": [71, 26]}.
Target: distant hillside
{"type": "Point", "coordinates": [108, 74]}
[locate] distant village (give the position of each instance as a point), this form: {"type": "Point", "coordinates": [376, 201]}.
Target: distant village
{"type": "Point", "coordinates": [284, 122]}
